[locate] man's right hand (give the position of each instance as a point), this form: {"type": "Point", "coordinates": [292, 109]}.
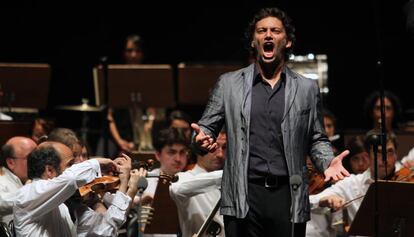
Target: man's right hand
{"type": "Point", "coordinates": [334, 202]}
{"type": "Point", "coordinates": [204, 141]}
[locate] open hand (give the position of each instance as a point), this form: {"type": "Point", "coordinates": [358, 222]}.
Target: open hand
{"type": "Point", "coordinates": [335, 170]}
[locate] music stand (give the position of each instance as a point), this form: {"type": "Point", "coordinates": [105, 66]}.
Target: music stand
{"type": "Point", "coordinates": [148, 85]}
{"type": "Point", "coordinates": [9, 129]}
{"type": "Point", "coordinates": [201, 79]}
{"type": "Point", "coordinates": [24, 85]}
{"type": "Point", "coordinates": [395, 212]}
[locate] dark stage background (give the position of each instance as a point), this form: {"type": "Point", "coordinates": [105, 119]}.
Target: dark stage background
{"type": "Point", "coordinates": [73, 41]}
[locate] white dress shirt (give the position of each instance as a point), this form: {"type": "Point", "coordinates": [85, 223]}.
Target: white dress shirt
{"type": "Point", "coordinates": [9, 183]}
{"type": "Point", "coordinates": [196, 193]}
{"type": "Point", "coordinates": [321, 223]}
{"type": "Point", "coordinates": [38, 207]}
{"type": "Point", "coordinates": [90, 223]}
{"type": "Point", "coordinates": [350, 188]}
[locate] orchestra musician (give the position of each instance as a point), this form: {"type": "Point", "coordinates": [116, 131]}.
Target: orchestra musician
{"type": "Point", "coordinates": [13, 171]}
{"type": "Point", "coordinates": [100, 212]}
{"type": "Point", "coordinates": [321, 223]}
{"type": "Point", "coordinates": [349, 193]}
{"type": "Point", "coordinates": [172, 147]}
{"type": "Point", "coordinates": [197, 190]}
{"type": "Point", "coordinates": [38, 207]}
{"type": "Point", "coordinates": [110, 212]}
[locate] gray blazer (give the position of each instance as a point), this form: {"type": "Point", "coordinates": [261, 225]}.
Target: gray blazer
{"type": "Point", "coordinates": [302, 135]}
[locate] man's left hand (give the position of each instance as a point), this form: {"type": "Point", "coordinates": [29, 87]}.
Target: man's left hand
{"type": "Point", "coordinates": [335, 170]}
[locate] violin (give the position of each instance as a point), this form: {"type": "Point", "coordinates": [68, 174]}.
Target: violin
{"type": "Point", "coordinates": [316, 180]}
{"type": "Point", "coordinates": [99, 185]}
{"type": "Point", "coordinates": [404, 174]}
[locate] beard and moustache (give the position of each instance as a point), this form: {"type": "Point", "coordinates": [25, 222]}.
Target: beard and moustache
{"type": "Point", "coordinates": [269, 68]}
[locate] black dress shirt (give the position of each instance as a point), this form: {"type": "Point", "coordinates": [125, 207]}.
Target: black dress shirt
{"type": "Point", "coordinates": [266, 145]}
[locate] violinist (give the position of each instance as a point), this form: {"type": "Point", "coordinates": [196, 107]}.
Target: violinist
{"type": "Point", "coordinates": [356, 162]}
{"type": "Point", "coordinates": [39, 208]}
{"type": "Point", "coordinates": [352, 189]}
{"type": "Point", "coordinates": [101, 213]}
{"type": "Point", "coordinates": [106, 218]}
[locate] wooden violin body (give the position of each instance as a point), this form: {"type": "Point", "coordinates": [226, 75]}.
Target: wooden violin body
{"type": "Point", "coordinates": [100, 185]}
{"type": "Point", "coordinates": [316, 183]}
{"type": "Point", "coordinates": [316, 180]}
{"type": "Point", "coordinates": [404, 174]}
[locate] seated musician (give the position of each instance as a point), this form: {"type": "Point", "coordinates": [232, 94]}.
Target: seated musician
{"type": "Point", "coordinates": [353, 188]}
{"type": "Point", "coordinates": [111, 214]}
{"type": "Point", "coordinates": [38, 206]}
{"type": "Point", "coordinates": [197, 191]}
{"type": "Point", "coordinates": [172, 148]}
{"type": "Point", "coordinates": [94, 217]}
{"type": "Point", "coordinates": [357, 162]}
{"type": "Point", "coordinates": [321, 221]}
{"type": "Point", "coordinates": [13, 171]}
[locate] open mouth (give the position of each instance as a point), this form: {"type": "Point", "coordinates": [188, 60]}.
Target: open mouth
{"type": "Point", "coordinates": [268, 49]}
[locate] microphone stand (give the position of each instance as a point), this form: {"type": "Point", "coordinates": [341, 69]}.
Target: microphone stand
{"type": "Point", "coordinates": [383, 134]}
{"type": "Point", "coordinates": [134, 225]}
{"type": "Point", "coordinates": [105, 123]}
{"type": "Point", "coordinates": [295, 181]}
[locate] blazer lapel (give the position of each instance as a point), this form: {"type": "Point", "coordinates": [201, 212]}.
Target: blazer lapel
{"type": "Point", "coordinates": [246, 99]}
{"type": "Point", "coordinates": [291, 89]}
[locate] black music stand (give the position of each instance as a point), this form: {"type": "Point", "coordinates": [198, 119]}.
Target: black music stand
{"type": "Point", "coordinates": [24, 85]}
{"type": "Point", "coordinates": [199, 78]}
{"type": "Point", "coordinates": [138, 86]}
{"type": "Point", "coordinates": [24, 89]}
{"type": "Point", "coordinates": [146, 84]}
{"type": "Point", "coordinates": [395, 211]}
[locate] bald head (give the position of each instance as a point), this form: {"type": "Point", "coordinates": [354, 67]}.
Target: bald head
{"type": "Point", "coordinates": [14, 155]}
{"type": "Point", "coordinates": [22, 146]}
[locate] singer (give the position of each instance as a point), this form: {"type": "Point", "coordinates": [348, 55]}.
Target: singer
{"type": "Point", "coordinates": [273, 119]}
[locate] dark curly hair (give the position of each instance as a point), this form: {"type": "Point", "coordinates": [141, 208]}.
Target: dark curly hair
{"type": "Point", "coordinates": [279, 14]}
{"type": "Point", "coordinates": [171, 136]}
{"type": "Point", "coordinates": [39, 158]}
